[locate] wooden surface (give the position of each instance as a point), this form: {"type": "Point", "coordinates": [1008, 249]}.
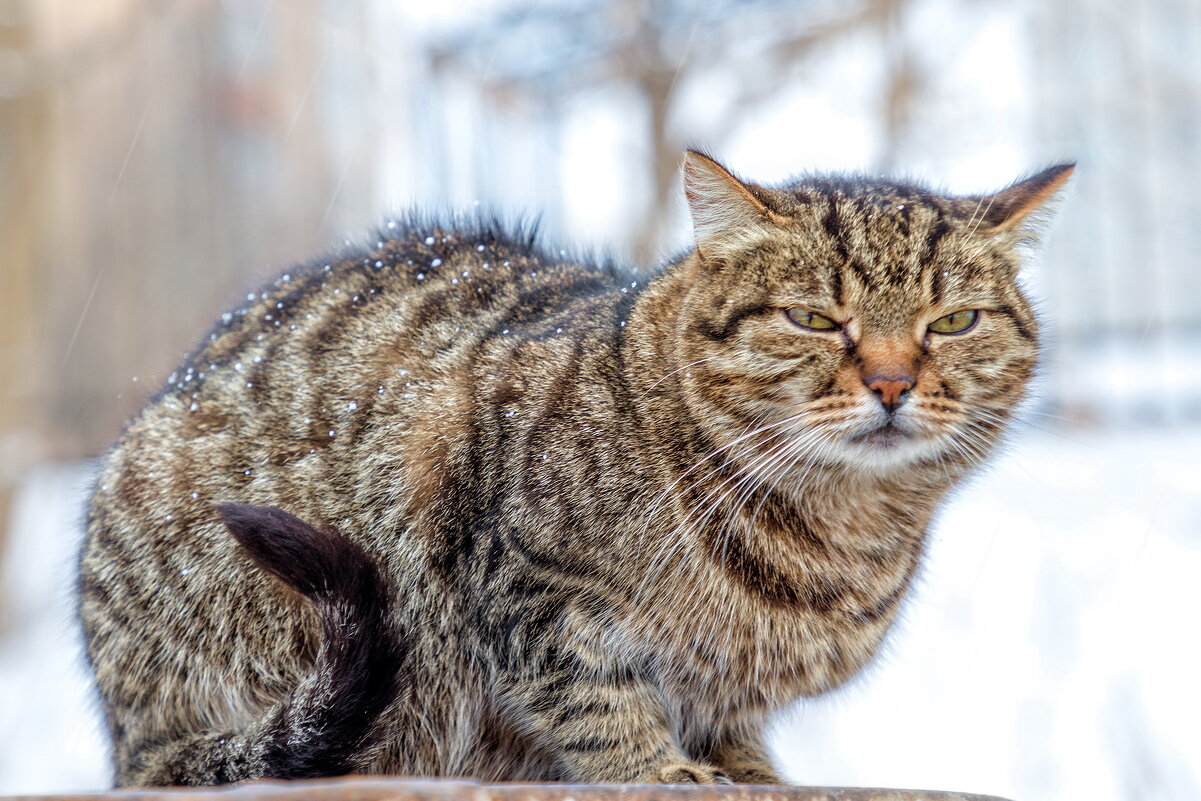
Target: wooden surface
{"type": "Point", "coordinates": [365, 789]}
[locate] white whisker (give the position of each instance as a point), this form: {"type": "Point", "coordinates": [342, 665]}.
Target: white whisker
{"type": "Point", "coordinates": [673, 372]}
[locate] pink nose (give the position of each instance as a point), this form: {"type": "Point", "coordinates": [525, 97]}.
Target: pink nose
{"type": "Point", "coordinates": [891, 391]}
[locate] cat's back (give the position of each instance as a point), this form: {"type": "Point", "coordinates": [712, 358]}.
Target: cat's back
{"type": "Point", "coordinates": [322, 394]}
{"type": "Point", "coordinates": [312, 367]}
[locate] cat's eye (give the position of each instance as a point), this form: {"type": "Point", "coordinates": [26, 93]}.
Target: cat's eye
{"type": "Point", "coordinates": [956, 323]}
{"type": "Point", "coordinates": [808, 319]}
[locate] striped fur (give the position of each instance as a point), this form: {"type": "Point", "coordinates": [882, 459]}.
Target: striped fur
{"type": "Point", "coordinates": [617, 523]}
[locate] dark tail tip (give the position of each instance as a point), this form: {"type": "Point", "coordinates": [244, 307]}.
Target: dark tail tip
{"type": "Point", "coordinates": [329, 715]}
{"type": "Point", "coordinates": [306, 559]}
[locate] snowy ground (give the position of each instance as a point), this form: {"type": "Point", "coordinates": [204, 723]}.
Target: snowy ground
{"type": "Point", "coordinates": [1051, 650]}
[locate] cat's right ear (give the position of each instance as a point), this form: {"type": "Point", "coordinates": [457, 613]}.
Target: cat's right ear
{"type": "Point", "coordinates": [725, 211]}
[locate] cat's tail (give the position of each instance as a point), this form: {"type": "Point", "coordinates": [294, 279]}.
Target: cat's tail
{"type": "Point", "coordinates": [326, 719]}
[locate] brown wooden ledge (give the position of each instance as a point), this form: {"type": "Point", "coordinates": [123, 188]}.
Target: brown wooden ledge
{"type": "Point", "coordinates": [370, 789]}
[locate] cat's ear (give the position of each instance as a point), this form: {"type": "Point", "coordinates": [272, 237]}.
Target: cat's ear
{"type": "Point", "coordinates": [724, 209]}
{"type": "Point", "coordinates": [1018, 204]}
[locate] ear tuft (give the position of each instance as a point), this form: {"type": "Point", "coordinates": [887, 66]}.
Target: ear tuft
{"type": "Point", "coordinates": [1014, 206]}
{"type": "Point", "coordinates": [723, 208]}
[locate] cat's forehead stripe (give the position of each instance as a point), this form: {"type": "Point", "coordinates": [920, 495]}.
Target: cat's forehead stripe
{"type": "Point", "coordinates": [842, 238]}
{"type": "Point", "coordinates": [886, 240]}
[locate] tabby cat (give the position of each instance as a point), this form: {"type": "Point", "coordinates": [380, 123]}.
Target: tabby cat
{"type": "Point", "coordinates": [452, 505]}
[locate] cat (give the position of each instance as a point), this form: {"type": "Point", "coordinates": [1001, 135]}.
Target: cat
{"type": "Point", "coordinates": [451, 505]}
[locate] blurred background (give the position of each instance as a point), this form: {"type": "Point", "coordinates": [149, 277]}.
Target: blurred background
{"type": "Point", "coordinates": [160, 157]}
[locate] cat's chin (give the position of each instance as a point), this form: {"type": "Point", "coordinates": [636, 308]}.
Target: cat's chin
{"type": "Point", "coordinates": [886, 437]}
{"type": "Point", "coordinates": [886, 447]}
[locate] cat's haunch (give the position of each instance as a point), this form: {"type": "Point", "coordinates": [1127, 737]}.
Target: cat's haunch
{"type": "Point", "coordinates": [449, 505]}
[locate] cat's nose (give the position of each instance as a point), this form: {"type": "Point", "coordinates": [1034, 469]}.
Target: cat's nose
{"type": "Point", "coordinates": [892, 392]}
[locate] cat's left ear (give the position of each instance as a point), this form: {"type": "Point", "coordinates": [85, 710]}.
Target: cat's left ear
{"type": "Point", "coordinates": [725, 210]}
{"type": "Point", "coordinates": [1016, 206]}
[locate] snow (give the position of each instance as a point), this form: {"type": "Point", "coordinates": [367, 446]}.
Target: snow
{"type": "Point", "coordinates": [50, 729]}
{"type": "Point", "coordinates": [1049, 651]}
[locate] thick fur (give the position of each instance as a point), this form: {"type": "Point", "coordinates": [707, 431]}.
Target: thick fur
{"type": "Point", "coordinates": [618, 524]}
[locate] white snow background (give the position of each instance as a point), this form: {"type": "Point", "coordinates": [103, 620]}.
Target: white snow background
{"type": "Point", "coordinates": [1049, 650]}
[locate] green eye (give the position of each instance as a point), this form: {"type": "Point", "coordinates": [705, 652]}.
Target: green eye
{"type": "Point", "coordinates": [955, 323]}
{"type": "Point", "coordinates": [808, 319]}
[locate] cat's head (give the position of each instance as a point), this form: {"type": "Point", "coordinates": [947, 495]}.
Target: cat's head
{"type": "Point", "coordinates": [863, 322]}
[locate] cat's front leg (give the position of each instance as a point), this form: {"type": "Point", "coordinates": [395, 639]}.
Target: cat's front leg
{"type": "Point", "coordinates": [741, 755]}
{"type": "Point", "coordinates": [605, 727]}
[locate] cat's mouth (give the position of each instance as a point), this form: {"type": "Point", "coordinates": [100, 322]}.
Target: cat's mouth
{"type": "Point", "coordinates": [885, 436]}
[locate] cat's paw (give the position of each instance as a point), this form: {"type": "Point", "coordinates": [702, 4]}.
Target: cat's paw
{"type": "Point", "coordinates": [691, 773]}
{"type": "Point", "coordinates": [753, 774]}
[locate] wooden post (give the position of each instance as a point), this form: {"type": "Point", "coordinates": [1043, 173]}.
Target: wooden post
{"type": "Point", "coordinates": [25, 156]}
